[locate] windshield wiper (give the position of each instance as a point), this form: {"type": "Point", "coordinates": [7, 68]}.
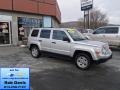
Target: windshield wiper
{"type": "Point", "coordinates": [79, 39]}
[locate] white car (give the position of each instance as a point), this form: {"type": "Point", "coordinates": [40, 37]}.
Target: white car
{"type": "Point", "coordinates": [70, 43]}
{"type": "Point", "coordinates": [107, 34]}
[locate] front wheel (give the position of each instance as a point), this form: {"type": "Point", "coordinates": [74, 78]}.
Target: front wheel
{"type": "Point", "coordinates": [82, 61]}
{"type": "Point", "coordinates": [35, 52]}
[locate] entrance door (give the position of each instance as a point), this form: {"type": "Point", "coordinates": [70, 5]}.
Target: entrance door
{"type": "Point", "coordinates": [5, 33]}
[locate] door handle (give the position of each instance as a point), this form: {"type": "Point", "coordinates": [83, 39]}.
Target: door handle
{"type": "Point", "coordinates": [40, 40]}
{"type": "Point", "coordinates": [54, 42]}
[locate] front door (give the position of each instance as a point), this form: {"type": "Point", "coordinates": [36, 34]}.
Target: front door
{"type": "Point", "coordinates": [5, 33]}
{"type": "Point", "coordinates": [58, 45]}
{"type": "Point", "coordinates": [98, 35]}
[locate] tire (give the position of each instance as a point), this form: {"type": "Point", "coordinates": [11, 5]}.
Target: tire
{"type": "Point", "coordinates": [35, 52]}
{"type": "Point", "coordinates": [83, 61]}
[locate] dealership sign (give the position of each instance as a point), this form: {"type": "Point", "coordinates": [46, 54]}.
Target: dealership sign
{"type": "Point", "coordinates": [86, 4]}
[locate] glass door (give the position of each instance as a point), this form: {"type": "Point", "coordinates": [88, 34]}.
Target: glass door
{"type": "Point", "coordinates": [5, 33]}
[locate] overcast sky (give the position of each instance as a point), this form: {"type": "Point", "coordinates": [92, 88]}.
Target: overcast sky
{"type": "Point", "coordinates": [71, 11]}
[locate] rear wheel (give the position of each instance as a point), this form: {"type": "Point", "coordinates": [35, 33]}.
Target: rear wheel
{"type": "Point", "coordinates": [35, 52]}
{"type": "Point", "coordinates": [83, 61]}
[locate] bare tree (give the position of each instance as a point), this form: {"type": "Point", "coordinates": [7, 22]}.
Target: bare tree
{"type": "Point", "coordinates": [97, 19]}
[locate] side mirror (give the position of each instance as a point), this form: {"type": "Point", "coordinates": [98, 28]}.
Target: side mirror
{"type": "Point", "coordinates": [66, 39]}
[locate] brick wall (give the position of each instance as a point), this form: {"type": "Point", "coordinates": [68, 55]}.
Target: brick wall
{"type": "Point", "coordinates": [46, 7]}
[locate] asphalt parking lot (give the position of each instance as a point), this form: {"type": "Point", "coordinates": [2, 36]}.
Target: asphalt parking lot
{"type": "Point", "coordinates": [48, 73]}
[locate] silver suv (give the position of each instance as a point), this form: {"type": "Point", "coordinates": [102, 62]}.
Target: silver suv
{"type": "Point", "coordinates": [108, 34]}
{"type": "Point", "coordinates": [68, 42]}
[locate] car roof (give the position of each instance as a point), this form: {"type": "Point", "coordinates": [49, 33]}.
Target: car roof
{"type": "Point", "coordinates": [110, 26]}
{"type": "Point", "coordinates": [54, 28]}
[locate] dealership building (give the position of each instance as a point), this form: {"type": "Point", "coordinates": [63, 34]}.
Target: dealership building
{"type": "Point", "coordinates": [17, 17]}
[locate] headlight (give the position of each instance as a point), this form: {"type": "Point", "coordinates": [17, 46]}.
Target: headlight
{"type": "Point", "coordinates": [98, 51]}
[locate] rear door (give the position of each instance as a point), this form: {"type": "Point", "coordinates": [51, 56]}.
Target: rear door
{"type": "Point", "coordinates": [44, 39]}
{"type": "Point", "coordinates": [111, 35]}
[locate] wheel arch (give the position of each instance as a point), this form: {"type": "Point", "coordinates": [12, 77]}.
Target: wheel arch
{"type": "Point", "coordinates": [84, 52]}
{"type": "Point", "coordinates": [32, 45]}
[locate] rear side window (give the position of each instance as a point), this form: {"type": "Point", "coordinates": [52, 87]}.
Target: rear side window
{"type": "Point", "coordinates": [45, 34]}
{"type": "Point", "coordinates": [111, 30]}
{"type": "Point", "coordinates": [35, 33]}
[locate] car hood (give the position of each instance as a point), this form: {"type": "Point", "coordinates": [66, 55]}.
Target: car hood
{"type": "Point", "coordinates": [90, 43]}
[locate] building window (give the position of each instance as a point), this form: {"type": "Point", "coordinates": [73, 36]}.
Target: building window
{"type": "Point", "coordinates": [26, 24]}
{"type": "Point", "coordinates": [4, 33]}
{"type": "Point", "coordinates": [30, 22]}
{"type": "Point", "coordinates": [47, 22]}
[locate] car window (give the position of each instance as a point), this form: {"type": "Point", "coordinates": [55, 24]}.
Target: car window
{"type": "Point", "coordinates": [35, 33]}
{"type": "Point", "coordinates": [99, 31]}
{"type": "Point", "coordinates": [75, 35]}
{"type": "Point", "coordinates": [111, 30]}
{"type": "Point", "coordinates": [45, 34]}
{"type": "Point", "coordinates": [59, 35]}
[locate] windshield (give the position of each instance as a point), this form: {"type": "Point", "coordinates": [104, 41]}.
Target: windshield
{"type": "Point", "coordinates": [76, 35]}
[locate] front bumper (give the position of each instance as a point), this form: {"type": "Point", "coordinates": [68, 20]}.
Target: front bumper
{"type": "Point", "coordinates": [103, 60]}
